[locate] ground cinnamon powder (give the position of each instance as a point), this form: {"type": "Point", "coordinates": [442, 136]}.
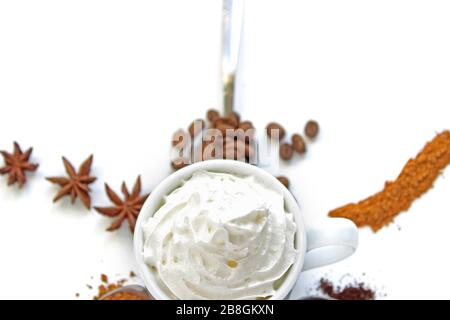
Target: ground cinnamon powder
{"type": "Point", "coordinates": [416, 178]}
{"type": "Point", "coordinates": [125, 296]}
{"type": "Point", "coordinates": [103, 289]}
{"type": "Point", "coordinates": [107, 287]}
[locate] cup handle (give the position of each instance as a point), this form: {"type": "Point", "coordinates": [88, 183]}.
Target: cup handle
{"type": "Point", "coordinates": [333, 240]}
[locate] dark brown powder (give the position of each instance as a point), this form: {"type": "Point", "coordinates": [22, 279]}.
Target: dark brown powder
{"type": "Point", "coordinates": [356, 291]}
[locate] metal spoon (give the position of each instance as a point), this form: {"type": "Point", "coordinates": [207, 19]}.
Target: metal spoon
{"type": "Point", "coordinates": [232, 17]}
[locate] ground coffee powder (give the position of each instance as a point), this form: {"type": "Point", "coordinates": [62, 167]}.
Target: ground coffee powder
{"type": "Point", "coordinates": [357, 291]}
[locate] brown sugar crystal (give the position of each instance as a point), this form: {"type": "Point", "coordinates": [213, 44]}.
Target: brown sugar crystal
{"type": "Point", "coordinates": [416, 178]}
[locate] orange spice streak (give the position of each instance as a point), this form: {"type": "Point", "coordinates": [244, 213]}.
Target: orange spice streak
{"type": "Point", "coordinates": [416, 178]}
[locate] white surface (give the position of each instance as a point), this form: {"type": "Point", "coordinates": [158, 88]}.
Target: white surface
{"type": "Point", "coordinates": [116, 78]}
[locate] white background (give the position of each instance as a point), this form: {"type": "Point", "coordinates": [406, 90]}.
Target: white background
{"type": "Point", "coordinates": [116, 78]}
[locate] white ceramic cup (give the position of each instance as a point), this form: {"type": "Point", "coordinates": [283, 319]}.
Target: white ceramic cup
{"type": "Point", "coordinates": [330, 241]}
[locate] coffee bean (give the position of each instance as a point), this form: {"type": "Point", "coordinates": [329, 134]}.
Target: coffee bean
{"type": "Point", "coordinates": [206, 155]}
{"type": "Point", "coordinates": [286, 151]}
{"type": "Point", "coordinates": [211, 136]}
{"type": "Point", "coordinates": [179, 163]}
{"type": "Point", "coordinates": [249, 139]}
{"type": "Point", "coordinates": [247, 136]}
{"type": "Point", "coordinates": [234, 149]}
{"type": "Point", "coordinates": [233, 122]}
{"type": "Point", "coordinates": [212, 115]}
{"type": "Point", "coordinates": [246, 125]}
{"type": "Point", "coordinates": [195, 127]}
{"type": "Point", "coordinates": [243, 149]}
{"type": "Point", "coordinates": [312, 129]}
{"type": "Point", "coordinates": [273, 127]}
{"type": "Point", "coordinates": [218, 121]}
{"type": "Point", "coordinates": [180, 138]}
{"type": "Point", "coordinates": [230, 153]}
{"type": "Point", "coordinates": [207, 151]}
{"type": "Point", "coordinates": [226, 129]}
{"type": "Point", "coordinates": [249, 151]}
{"type": "Point", "coordinates": [224, 124]}
{"type": "Point", "coordinates": [284, 181]}
{"type": "Point", "coordinates": [235, 118]}
{"type": "Point", "coordinates": [298, 143]}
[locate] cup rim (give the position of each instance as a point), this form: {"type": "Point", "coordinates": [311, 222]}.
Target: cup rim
{"type": "Point", "coordinates": [152, 204]}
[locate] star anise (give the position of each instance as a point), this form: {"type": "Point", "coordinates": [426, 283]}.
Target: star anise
{"type": "Point", "coordinates": [128, 208]}
{"type": "Point", "coordinates": [16, 164]}
{"type": "Point", "coordinates": [77, 183]}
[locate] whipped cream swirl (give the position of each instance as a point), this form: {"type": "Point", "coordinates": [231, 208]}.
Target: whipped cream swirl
{"type": "Point", "coordinates": [220, 236]}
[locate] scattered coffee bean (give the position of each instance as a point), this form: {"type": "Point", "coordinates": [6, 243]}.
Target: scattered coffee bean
{"type": "Point", "coordinates": [240, 145]}
{"type": "Point", "coordinates": [312, 129]}
{"type": "Point", "coordinates": [286, 151]}
{"type": "Point", "coordinates": [245, 135]}
{"type": "Point", "coordinates": [234, 149]}
{"type": "Point", "coordinates": [246, 125]}
{"type": "Point", "coordinates": [249, 151]}
{"type": "Point", "coordinates": [284, 181]}
{"type": "Point", "coordinates": [195, 128]}
{"type": "Point", "coordinates": [230, 152]}
{"type": "Point", "coordinates": [208, 151]}
{"type": "Point", "coordinates": [180, 138]}
{"type": "Point", "coordinates": [298, 143]}
{"type": "Point", "coordinates": [179, 163]}
{"type": "Point", "coordinates": [234, 118]}
{"type": "Point", "coordinates": [224, 124]}
{"type": "Point", "coordinates": [241, 139]}
{"type": "Point", "coordinates": [273, 127]}
{"type": "Point", "coordinates": [212, 115]}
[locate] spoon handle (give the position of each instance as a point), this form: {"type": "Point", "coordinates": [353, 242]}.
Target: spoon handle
{"type": "Point", "coordinates": [232, 16]}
